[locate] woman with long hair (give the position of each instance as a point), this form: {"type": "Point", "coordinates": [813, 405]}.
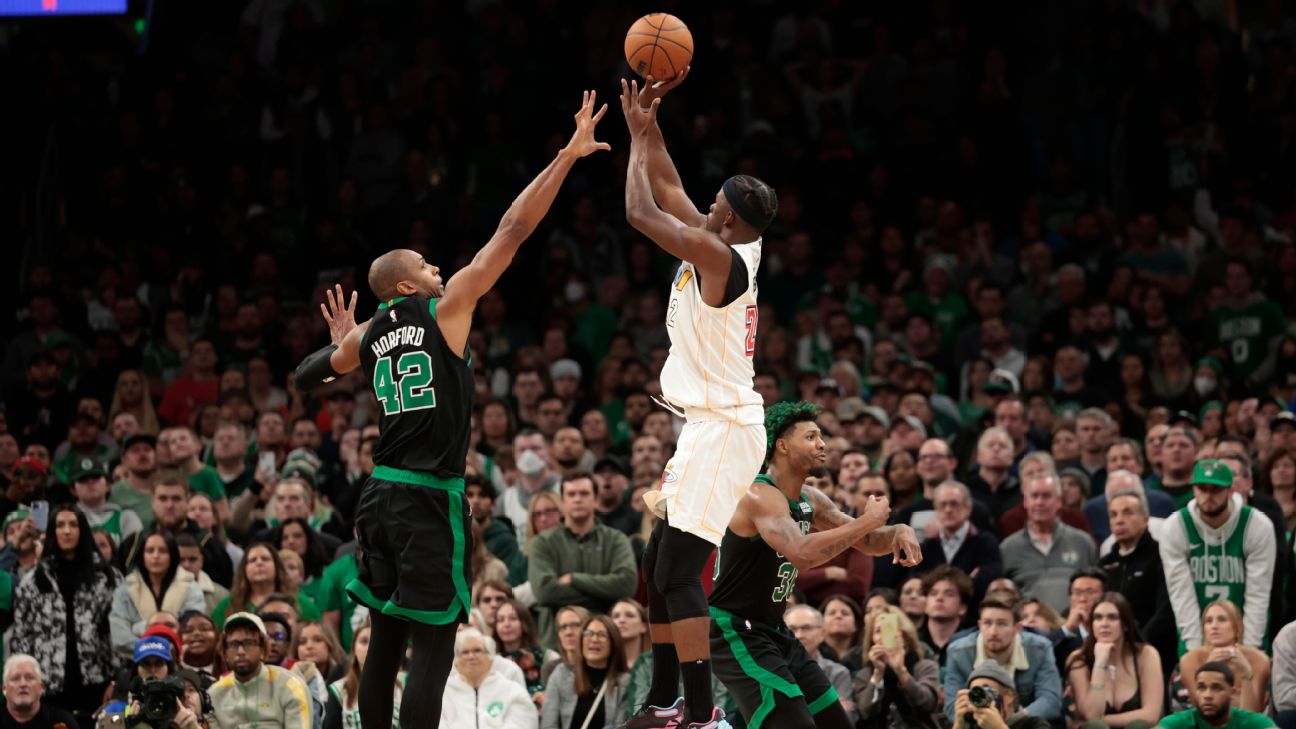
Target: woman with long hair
{"type": "Point", "coordinates": [202, 512]}
{"type": "Point", "coordinates": [517, 640]}
{"type": "Point", "coordinates": [61, 615]}
{"type": "Point", "coordinates": [632, 621]}
{"type": "Point", "coordinates": [1278, 479]}
{"type": "Point", "coordinates": [1115, 675]}
{"type": "Point", "coordinates": [200, 645]}
{"type": "Point", "coordinates": [295, 535]}
{"type": "Point", "coordinates": [843, 620]}
{"type": "Point", "coordinates": [488, 595]}
{"type": "Point", "coordinates": [568, 619]}
{"type": "Point", "coordinates": [343, 708]}
{"type": "Point", "coordinates": [913, 601]}
{"type": "Point", "coordinates": [1222, 641]}
{"type": "Point", "coordinates": [1172, 375]}
{"type": "Point", "coordinates": [131, 395]}
{"type": "Point", "coordinates": [257, 577]}
{"type": "Point", "coordinates": [592, 691]}
{"type": "Point", "coordinates": [896, 686]}
{"type": "Point", "coordinates": [155, 582]}
{"type": "Point", "coordinates": [316, 642]}
{"type": "Point", "coordinates": [900, 469]}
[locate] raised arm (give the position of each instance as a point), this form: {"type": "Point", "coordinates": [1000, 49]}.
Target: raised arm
{"type": "Point", "coordinates": [898, 540]}
{"type": "Point", "coordinates": [342, 354]}
{"type": "Point", "coordinates": [769, 511]}
{"type": "Point", "coordinates": [667, 188]}
{"type": "Point", "coordinates": [698, 246]}
{"type": "Point", "coordinates": [454, 311]}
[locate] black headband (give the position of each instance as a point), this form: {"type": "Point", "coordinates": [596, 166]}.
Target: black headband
{"type": "Point", "coordinates": [740, 207]}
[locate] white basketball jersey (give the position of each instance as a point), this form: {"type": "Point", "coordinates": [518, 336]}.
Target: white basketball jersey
{"type": "Point", "coordinates": [710, 362]}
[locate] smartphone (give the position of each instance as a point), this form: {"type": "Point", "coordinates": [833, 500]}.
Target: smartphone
{"type": "Point", "coordinates": [40, 515]}
{"type": "Point", "coordinates": [266, 462]}
{"type": "Point", "coordinates": [889, 624]}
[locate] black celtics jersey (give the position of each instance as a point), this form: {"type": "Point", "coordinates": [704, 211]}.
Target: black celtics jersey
{"type": "Point", "coordinates": [751, 579]}
{"type": "Point", "coordinates": [424, 390]}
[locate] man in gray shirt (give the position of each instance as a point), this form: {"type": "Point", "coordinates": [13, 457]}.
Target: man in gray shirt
{"type": "Point", "coordinates": [1042, 557]}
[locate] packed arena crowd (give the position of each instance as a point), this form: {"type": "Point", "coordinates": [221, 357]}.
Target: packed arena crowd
{"type": "Point", "coordinates": [1032, 275]}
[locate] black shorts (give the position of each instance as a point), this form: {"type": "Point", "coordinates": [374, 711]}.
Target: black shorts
{"type": "Point", "coordinates": [414, 554]}
{"type": "Point", "coordinates": [764, 667]}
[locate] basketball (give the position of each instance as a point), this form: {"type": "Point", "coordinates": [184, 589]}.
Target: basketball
{"type": "Point", "coordinates": [658, 45]}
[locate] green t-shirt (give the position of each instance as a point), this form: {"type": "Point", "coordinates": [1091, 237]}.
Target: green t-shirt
{"type": "Point", "coordinates": [207, 481]}
{"type": "Point", "coordinates": [127, 497]}
{"type": "Point", "coordinates": [1240, 719]}
{"type": "Point", "coordinates": [332, 594]}
{"type": "Point", "coordinates": [1245, 332]}
{"type": "Point", "coordinates": [306, 610]}
{"type": "Point", "coordinates": [948, 314]}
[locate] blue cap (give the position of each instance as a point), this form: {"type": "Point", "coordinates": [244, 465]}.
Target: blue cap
{"type": "Point", "coordinates": [153, 646]}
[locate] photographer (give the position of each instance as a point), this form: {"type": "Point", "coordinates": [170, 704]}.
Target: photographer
{"type": "Point", "coordinates": [990, 702]}
{"type": "Point", "coordinates": [157, 696]}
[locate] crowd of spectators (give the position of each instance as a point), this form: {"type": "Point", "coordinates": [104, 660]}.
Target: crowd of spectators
{"type": "Point", "coordinates": [1036, 261]}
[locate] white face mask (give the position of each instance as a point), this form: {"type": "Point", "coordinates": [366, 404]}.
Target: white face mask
{"type": "Point", "coordinates": [574, 291]}
{"type": "Point", "coordinates": [1204, 385]}
{"type": "Point", "coordinates": [530, 463]}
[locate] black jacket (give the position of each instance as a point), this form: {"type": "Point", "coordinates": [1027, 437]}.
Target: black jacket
{"type": "Point", "coordinates": [216, 561]}
{"type": "Point", "coordinates": [1140, 578]}
{"type": "Point", "coordinates": [979, 552]}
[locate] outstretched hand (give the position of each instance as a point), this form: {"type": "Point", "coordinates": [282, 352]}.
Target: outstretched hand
{"type": "Point", "coordinates": [583, 141]}
{"type": "Point", "coordinates": [905, 549]}
{"type": "Point", "coordinates": [639, 120]}
{"type": "Point", "coordinates": [654, 89]}
{"type": "Point", "coordinates": [339, 314]}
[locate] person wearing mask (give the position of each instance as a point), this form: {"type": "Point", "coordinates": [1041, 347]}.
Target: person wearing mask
{"type": "Point", "coordinates": [592, 691]}
{"type": "Point", "coordinates": [1006, 713]}
{"type": "Point", "coordinates": [807, 625]}
{"type": "Point", "coordinates": [254, 693]}
{"type": "Point", "coordinates": [1042, 557]}
{"type": "Point", "coordinates": [1214, 547]}
{"type": "Point", "coordinates": [61, 615]}
{"type": "Point", "coordinates": [25, 706]}
{"type": "Point", "coordinates": [478, 697]}
{"type": "Point", "coordinates": [156, 582]}
{"type": "Point", "coordinates": [1216, 694]}
{"type": "Point", "coordinates": [897, 685]}
{"type": "Point", "coordinates": [582, 562]}
{"type": "Point", "coordinates": [1026, 660]}
{"type": "Point", "coordinates": [531, 454]}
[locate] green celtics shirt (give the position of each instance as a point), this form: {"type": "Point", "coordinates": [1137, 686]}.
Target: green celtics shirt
{"type": "Point", "coordinates": [1245, 332]}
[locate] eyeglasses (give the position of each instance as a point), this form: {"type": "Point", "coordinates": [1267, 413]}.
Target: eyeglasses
{"type": "Point", "coordinates": [600, 634]}
{"type": "Point", "coordinates": [239, 645]}
{"type": "Point", "coordinates": [278, 637]}
{"type": "Point", "coordinates": [1086, 593]}
{"type": "Point", "coordinates": [564, 627]}
{"type": "Point", "coordinates": [548, 512]}
{"type": "Point", "coordinates": [470, 652]}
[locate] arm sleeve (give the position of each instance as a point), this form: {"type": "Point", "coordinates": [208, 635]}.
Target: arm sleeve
{"type": "Point", "coordinates": [521, 713]}
{"type": "Point", "coordinates": [1260, 557]}
{"type": "Point", "coordinates": [1048, 691]}
{"type": "Point", "coordinates": [618, 581]}
{"type": "Point", "coordinates": [25, 624]}
{"type": "Point", "coordinates": [923, 689]}
{"type": "Point", "coordinates": [295, 703]}
{"type": "Point", "coordinates": [1284, 669]}
{"type": "Point", "coordinates": [555, 694]}
{"type": "Point", "coordinates": [868, 701]}
{"type": "Point", "coordinates": [123, 619]}
{"type": "Point", "coordinates": [956, 674]}
{"type": "Point", "coordinates": [194, 599]}
{"type": "Point", "coordinates": [130, 523]}
{"type": "Point", "coordinates": [1179, 581]}
{"type": "Point", "coordinates": [542, 572]}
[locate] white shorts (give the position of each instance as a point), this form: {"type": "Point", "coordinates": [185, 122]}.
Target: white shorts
{"type": "Point", "coordinates": [714, 465]}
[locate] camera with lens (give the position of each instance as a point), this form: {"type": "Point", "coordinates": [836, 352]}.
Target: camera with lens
{"type": "Point", "coordinates": [982, 697]}
{"type": "Point", "coordinates": [158, 700]}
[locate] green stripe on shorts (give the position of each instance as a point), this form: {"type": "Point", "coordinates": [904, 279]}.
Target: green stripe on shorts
{"type": "Point", "coordinates": [769, 682]}
{"type": "Point", "coordinates": [360, 591]}
{"type": "Point", "coordinates": [462, 601]}
{"type": "Point", "coordinates": [418, 478]}
{"type": "Point", "coordinates": [824, 701]}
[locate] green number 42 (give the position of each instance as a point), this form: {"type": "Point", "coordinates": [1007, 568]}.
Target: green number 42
{"type": "Point", "coordinates": [410, 388]}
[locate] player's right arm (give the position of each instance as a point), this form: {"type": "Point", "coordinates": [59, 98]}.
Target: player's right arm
{"type": "Point", "coordinates": [454, 311]}
{"type": "Point", "coordinates": [768, 508]}
{"type": "Point", "coordinates": [667, 187]}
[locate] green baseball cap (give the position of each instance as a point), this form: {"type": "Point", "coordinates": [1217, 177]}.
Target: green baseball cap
{"type": "Point", "coordinates": [87, 467]}
{"type": "Point", "coordinates": [1212, 472]}
{"type": "Point", "coordinates": [13, 516]}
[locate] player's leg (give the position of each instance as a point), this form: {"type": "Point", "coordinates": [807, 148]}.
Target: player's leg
{"type": "Point", "coordinates": [677, 576]}
{"type": "Point", "coordinates": [666, 670]}
{"type": "Point", "coordinates": [387, 641]}
{"type": "Point", "coordinates": [429, 669]}
{"type": "Point", "coordinates": [789, 714]}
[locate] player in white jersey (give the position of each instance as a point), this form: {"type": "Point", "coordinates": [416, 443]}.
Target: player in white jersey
{"type": "Point", "coordinates": [711, 320]}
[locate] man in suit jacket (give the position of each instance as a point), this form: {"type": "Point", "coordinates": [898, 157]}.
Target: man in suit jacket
{"type": "Point", "coordinates": [959, 542]}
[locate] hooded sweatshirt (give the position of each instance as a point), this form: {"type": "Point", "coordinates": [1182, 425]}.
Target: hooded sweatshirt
{"type": "Point", "coordinates": [1203, 564]}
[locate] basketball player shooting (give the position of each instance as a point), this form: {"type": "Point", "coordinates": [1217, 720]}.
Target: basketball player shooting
{"type": "Point", "coordinates": [413, 524]}
{"type": "Point", "coordinates": [711, 321]}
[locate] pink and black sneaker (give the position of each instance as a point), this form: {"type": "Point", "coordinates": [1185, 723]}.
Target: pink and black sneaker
{"type": "Point", "coordinates": [656, 717]}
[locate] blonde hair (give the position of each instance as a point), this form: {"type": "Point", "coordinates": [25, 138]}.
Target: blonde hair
{"type": "Point", "coordinates": [290, 583]}
{"type": "Point", "coordinates": [1045, 611]}
{"type": "Point", "coordinates": [907, 630]}
{"type": "Point", "coordinates": [531, 510]}
{"type": "Point", "coordinates": [143, 411]}
{"type": "Point", "coordinates": [1233, 613]}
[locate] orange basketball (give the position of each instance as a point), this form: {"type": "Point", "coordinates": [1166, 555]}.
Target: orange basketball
{"type": "Point", "coordinates": [660, 45]}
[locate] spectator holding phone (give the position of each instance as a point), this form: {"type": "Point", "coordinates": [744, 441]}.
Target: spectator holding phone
{"type": "Point", "coordinates": [896, 684]}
